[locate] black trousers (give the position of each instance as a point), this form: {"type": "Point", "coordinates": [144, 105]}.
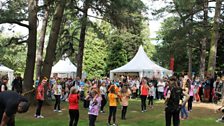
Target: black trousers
{"type": "Point", "coordinates": [150, 100]}
{"type": "Point", "coordinates": [74, 117]}
{"type": "Point", "coordinates": [190, 103]}
{"type": "Point", "coordinates": [123, 112]}
{"type": "Point", "coordinates": [39, 106]}
{"type": "Point", "coordinates": [57, 102]}
{"type": "Point", "coordinates": [112, 112]}
{"type": "Point", "coordinates": [92, 120]}
{"type": "Point", "coordinates": [169, 114]}
{"type": "Point", "coordinates": [103, 102]}
{"type": "Point", "coordinates": [143, 102]}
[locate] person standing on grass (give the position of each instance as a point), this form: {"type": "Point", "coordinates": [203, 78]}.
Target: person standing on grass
{"type": "Point", "coordinates": [40, 97]}
{"type": "Point", "coordinates": [11, 103]}
{"type": "Point", "coordinates": [191, 93]}
{"type": "Point", "coordinates": [103, 92]}
{"type": "Point", "coordinates": [94, 106]}
{"type": "Point", "coordinates": [144, 93]}
{"type": "Point", "coordinates": [73, 101]}
{"type": "Point", "coordinates": [57, 88]}
{"type": "Point", "coordinates": [222, 101]}
{"type": "Point", "coordinates": [151, 95]}
{"type": "Point", "coordinates": [125, 95]}
{"type": "Point", "coordinates": [113, 100]}
{"type": "Point", "coordinates": [172, 102]}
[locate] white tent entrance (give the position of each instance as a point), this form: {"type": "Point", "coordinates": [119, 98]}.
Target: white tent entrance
{"type": "Point", "coordinates": [142, 65]}
{"type": "Point", "coordinates": [64, 68]}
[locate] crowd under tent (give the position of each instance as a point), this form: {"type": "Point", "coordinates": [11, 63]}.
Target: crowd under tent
{"type": "Point", "coordinates": [140, 66]}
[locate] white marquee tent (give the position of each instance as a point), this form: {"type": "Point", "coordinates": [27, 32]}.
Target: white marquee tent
{"type": "Point", "coordinates": [142, 65]}
{"type": "Point", "coordinates": [64, 68]}
{"type": "Point", "coordinates": [7, 71]}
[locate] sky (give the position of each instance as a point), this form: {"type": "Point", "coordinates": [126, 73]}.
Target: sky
{"type": "Point", "coordinates": [154, 25]}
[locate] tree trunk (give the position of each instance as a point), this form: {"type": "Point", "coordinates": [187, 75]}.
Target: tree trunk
{"type": "Point", "coordinates": [82, 39]}
{"type": "Point", "coordinates": [41, 43]}
{"type": "Point", "coordinates": [204, 43]}
{"type": "Point", "coordinates": [202, 58]}
{"type": "Point", "coordinates": [54, 34]}
{"type": "Point", "coordinates": [214, 39]}
{"type": "Point", "coordinates": [190, 62]}
{"type": "Point", "coordinates": [31, 53]}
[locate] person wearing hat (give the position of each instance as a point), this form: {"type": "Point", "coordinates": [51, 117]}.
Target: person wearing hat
{"type": "Point", "coordinates": [3, 84]}
{"type": "Point", "coordinates": [11, 103]}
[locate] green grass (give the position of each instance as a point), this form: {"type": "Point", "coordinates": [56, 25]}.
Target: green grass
{"type": "Point", "coordinates": [153, 117]}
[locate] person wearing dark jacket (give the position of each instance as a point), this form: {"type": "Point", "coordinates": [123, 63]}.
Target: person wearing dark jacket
{"type": "Point", "coordinates": [17, 84]}
{"type": "Point", "coordinates": [11, 103]}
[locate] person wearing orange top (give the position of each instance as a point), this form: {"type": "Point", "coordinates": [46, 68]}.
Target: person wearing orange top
{"type": "Point", "coordinates": [40, 98]}
{"type": "Point", "coordinates": [144, 93]}
{"type": "Point", "coordinates": [113, 98]}
{"type": "Point", "coordinates": [73, 101]}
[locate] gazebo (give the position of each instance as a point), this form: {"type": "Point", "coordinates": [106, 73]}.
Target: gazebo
{"type": "Point", "coordinates": [142, 66]}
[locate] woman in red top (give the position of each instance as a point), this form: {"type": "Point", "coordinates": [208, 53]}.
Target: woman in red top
{"type": "Point", "coordinates": [144, 93]}
{"type": "Point", "coordinates": [73, 100]}
{"type": "Point", "coordinates": [40, 98]}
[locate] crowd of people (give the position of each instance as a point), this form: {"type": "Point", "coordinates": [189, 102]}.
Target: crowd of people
{"type": "Point", "coordinates": [177, 92]}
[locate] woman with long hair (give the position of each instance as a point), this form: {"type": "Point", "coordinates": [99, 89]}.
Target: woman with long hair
{"type": "Point", "coordinates": [73, 101]}
{"type": "Point", "coordinates": [125, 95]}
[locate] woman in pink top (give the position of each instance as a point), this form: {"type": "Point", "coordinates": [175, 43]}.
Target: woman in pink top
{"type": "Point", "coordinates": [144, 93]}
{"type": "Point", "coordinates": [191, 93]}
{"type": "Point", "coordinates": [125, 95]}
{"type": "Point", "coordinates": [73, 100]}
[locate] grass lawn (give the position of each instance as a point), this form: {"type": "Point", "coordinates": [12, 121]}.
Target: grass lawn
{"type": "Point", "coordinates": [202, 115]}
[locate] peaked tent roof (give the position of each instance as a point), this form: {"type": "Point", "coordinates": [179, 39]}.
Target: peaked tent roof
{"type": "Point", "coordinates": [140, 63]}
{"type": "Point", "coordinates": [64, 66]}
{"type": "Point", "coordinates": [5, 69]}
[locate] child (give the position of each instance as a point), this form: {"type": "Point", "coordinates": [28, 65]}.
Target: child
{"type": "Point", "coordinates": [125, 94]}
{"type": "Point", "coordinates": [73, 100]}
{"type": "Point", "coordinates": [94, 106]}
{"type": "Point", "coordinates": [151, 95]}
{"type": "Point", "coordinates": [113, 99]}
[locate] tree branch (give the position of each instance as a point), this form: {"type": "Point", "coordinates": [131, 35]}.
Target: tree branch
{"type": "Point", "coordinates": [14, 22]}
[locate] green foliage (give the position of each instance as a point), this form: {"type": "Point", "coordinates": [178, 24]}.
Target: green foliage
{"type": "Point", "coordinates": [117, 54]}
{"type": "Point", "coordinates": [95, 55]}
{"type": "Point", "coordinates": [12, 56]}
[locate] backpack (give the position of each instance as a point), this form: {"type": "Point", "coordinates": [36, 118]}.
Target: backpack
{"type": "Point", "coordinates": [175, 97]}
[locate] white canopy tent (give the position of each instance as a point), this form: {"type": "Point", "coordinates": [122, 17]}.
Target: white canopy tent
{"type": "Point", "coordinates": [64, 68]}
{"type": "Point", "coordinates": [142, 65]}
{"type": "Point", "coordinates": [7, 71]}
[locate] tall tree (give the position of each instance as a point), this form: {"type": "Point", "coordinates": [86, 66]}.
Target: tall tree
{"type": "Point", "coordinates": [214, 39]}
{"type": "Point", "coordinates": [53, 38]}
{"type": "Point", "coordinates": [40, 48]}
{"type": "Point", "coordinates": [31, 52]}
{"type": "Point", "coordinates": [84, 19]}
{"type": "Point", "coordinates": [204, 41]}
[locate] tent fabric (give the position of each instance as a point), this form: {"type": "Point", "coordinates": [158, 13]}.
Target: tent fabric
{"type": "Point", "coordinates": [140, 63]}
{"type": "Point", "coordinates": [7, 71]}
{"type": "Point", "coordinates": [64, 66]}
